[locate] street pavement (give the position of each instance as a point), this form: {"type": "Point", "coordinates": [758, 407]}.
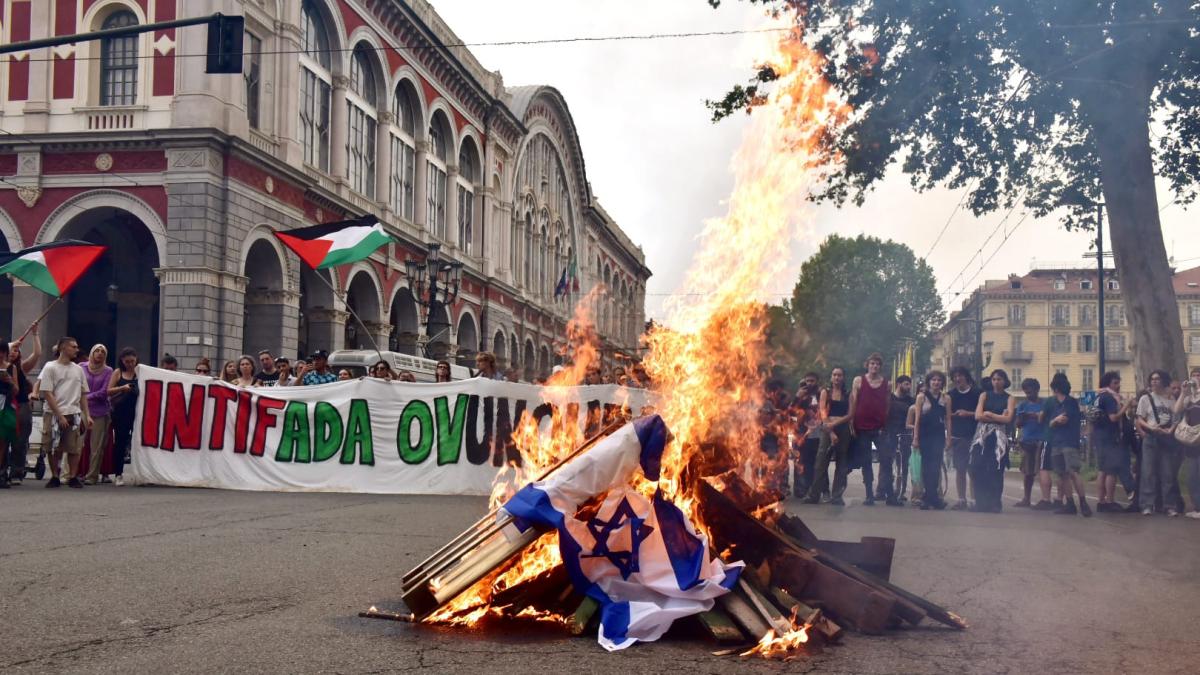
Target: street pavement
{"type": "Point", "coordinates": [146, 579]}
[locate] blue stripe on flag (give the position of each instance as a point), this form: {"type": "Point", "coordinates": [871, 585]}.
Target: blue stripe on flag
{"type": "Point", "coordinates": [684, 549]}
{"type": "Point", "coordinates": [652, 434]}
{"type": "Point", "coordinates": [531, 507]}
{"type": "Point", "coordinates": [614, 621]}
{"type": "Point", "coordinates": [731, 576]}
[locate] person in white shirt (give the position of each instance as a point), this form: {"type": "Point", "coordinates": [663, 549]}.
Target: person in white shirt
{"type": "Point", "coordinates": [1161, 458]}
{"type": "Point", "coordinates": [62, 385]}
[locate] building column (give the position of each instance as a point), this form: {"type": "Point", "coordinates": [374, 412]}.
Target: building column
{"type": "Point", "coordinates": [287, 94]}
{"type": "Point", "coordinates": [452, 206]}
{"type": "Point", "coordinates": [383, 159]}
{"type": "Point", "coordinates": [421, 189]}
{"type": "Point", "coordinates": [380, 331]}
{"type": "Point", "coordinates": [327, 329]}
{"type": "Point", "coordinates": [36, 111]}
{"type": "Point", "coordinates": [200, 315]}
{"type": "Point", "coordinates": [269, 323]}
{"type": "Point", "coordinates": [28, 303]}
{"type": "Point", "coordinates": [339, 133]}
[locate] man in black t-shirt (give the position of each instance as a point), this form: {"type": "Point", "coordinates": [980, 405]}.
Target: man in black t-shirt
{"type": "Point", "coordinates": [269, 375]}
{"type": "Point", "coordinates": [1112, 455]}
{"type": "Point", "coordinates": [964, 397]}
{"type": "Point", "coordinates": [893, 450]}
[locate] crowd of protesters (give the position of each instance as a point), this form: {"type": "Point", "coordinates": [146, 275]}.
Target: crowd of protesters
{"type": "Point", "coordinates": [949, 436]}
{"type": "Point", "coordinates": [87, 404]}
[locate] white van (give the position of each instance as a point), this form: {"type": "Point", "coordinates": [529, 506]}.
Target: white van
{"type": "Point", "coordinates": [359, 361]}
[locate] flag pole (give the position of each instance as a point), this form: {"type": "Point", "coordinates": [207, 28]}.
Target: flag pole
{"type": "Point", "coordinates": [353, 314]}
{"type": "Point", "coordinates": [39, 319]}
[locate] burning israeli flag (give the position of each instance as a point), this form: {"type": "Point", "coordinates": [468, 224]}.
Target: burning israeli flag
{"type": "Point", "coordinates": [640, 558]}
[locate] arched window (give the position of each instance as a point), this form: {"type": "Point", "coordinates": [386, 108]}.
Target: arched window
{"type": "Point", "coordinates": [316, 88]}
{"type": "Point", "coordinates": [362, 109]}
{"type": "Point", "coordinates": [404, 154]}
{"type": "Point", "coordinates": [468, 161]}
{"type": "Point", "coordinates": [439, 139]}
{"type": "Point", "coordinates": [119, 62]}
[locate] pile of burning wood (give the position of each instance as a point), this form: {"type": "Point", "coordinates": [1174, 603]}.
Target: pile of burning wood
{"type": "Point", "coordinates": [796, 594]}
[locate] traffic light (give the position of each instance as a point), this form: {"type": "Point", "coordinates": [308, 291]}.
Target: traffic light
{"type": "Point", "coordinates": [226, 35]}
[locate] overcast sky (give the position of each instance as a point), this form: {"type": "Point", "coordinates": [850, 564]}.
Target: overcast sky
{"type": "Point", "coordinates": [660, 167]}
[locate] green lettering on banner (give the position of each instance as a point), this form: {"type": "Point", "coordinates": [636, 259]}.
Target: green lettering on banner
{"type": "Point", "coordinates": [293, 442]}
{"type": "Point", "coordinates": [327, 431]}
{"type": "Point", "coordinates": [358, 432]}
{"type": "Point", "coordinates": [417, 411]}
{"type": "Point", "coordinates": [450, 430]}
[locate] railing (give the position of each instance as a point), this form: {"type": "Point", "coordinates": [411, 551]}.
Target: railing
{"type": "Point", "coordinates": [112, 118]}
{"type": "Point", "coordinates": [262, 142]}
{"type": "Point", "coordinates": [1118, 357]}
{"type": "Point", "coordinates": [1017, 356]}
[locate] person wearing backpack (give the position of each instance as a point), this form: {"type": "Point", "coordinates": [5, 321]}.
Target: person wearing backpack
{"type": "Point", "coordinates": [1161, 458]}
{"type": "Point", "coordinates": [1187, 435]}
{"type": "Point", "coordinates": [1111, 456]}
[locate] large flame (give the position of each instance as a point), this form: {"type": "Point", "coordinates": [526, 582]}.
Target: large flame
{"type": "Point", "coordinates": [708, 362]}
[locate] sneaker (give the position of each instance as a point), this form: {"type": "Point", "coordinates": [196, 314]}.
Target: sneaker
{"type": "Point", "coordinates": [1023, 504]}
{"type": "Point", "coordinates": [1172, 513]}
{"type": "Point", "coordinates": [75, 483]}
{"type": "Point", "coordinates": [1044, 505]}
{"type": "Point", "coordinates": [105, 479]}
{"type": "Point", "coordinates": [837, 501]}
{"type": "Point", "coordinates": [1085, 509]}
{"type": "Point", "coordinates": [118, 480]}
{"type": "Point", "coordinates": [1195, 515]}
{"type": "Point", "coordinates": [893, 502]}
{"type": "Point", "coordinates": [90, 481]}
{"type": "Point", "coordinates": [869, 501]}
{"type": "Point", "coordinates": [1147, 512]}
{"type": "Point", "coordinates": [53, 482]}
{"type": "Point", "coordinates": [961, 505]}
{"type": "Point", "coordinates": [3, 482]}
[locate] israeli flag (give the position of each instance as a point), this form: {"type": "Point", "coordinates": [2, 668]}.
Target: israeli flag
{"type": "Point", "coordinates": [640, 558]}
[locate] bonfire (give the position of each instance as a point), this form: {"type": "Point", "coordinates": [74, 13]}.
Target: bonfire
{"type": "Point", "coordinates": [707, 364]}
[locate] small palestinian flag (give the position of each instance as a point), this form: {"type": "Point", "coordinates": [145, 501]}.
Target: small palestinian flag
{"type": "Point", "coordinates": [51, 268]}
{"type": "Point", "coordinates": [333, 244]}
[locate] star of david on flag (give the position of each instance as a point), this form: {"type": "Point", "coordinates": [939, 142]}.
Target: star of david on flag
{"type": "Point", "coordinates": [640, 558]}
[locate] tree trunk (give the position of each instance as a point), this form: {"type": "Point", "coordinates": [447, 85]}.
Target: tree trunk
{"type": "Point", "coordinates": [1120, 122]}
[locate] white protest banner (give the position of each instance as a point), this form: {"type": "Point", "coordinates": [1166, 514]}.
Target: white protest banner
{"type": "Point", "coordinates": [366, 435]}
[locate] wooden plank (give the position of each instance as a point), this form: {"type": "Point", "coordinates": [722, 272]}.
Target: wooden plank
{"type": "Point", "coordinates": [744, 615]}
{"type": "Point", "coordinates": [866, 609]}
{"type": "Point", "coordinates": [717, 624]}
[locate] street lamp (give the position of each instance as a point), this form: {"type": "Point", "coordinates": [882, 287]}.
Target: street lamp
{"type": "Point", "coordinates": [434, 283]}
{"type": "Point", "coordinates": [1077, 198]}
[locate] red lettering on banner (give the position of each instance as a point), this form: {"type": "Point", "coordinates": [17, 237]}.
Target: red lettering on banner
{"type": "Point", "coordinates": [266, 419]}
{"type": "Point", "coordinates": [151, 412]}
{"type": "Point", "coordinates": [241, 424]}
{"type": "Point", "coordinates": [221, 397]}
{"type": "Point", "coordinates": [183, 421]}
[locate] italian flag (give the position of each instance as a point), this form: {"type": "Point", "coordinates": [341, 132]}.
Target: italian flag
{"type": "Point", "coordinates": [333, 244]}
{"type": "Point", "coordinates": [51, 268]}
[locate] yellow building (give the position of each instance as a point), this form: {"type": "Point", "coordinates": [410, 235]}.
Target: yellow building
{"type": "Point", "coordinates": [1046, 322]}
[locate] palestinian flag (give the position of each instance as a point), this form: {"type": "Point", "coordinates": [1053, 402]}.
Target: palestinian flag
{"type": "Point", "coordinates": [333, 244]}
{"type": "Point", "coordinates": [51, 268]}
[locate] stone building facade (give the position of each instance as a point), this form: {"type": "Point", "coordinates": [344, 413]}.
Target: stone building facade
{"type": "Point", "coordinates": [345, 108]}
{"type": "Point", "coordinates": [1047, 321]}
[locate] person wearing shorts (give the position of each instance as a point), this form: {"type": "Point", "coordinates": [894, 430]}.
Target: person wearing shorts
{"type": "Point", "coordinates": [1063, 419]}
{"type": "Point", "coordinates": [1111, 454]}
{"type": "Point", "coordinates": [1032, 437]}
{"type": "Point", "coordinates": [61, 383]}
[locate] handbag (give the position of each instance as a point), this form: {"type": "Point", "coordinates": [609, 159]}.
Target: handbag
{"type": "Point", "coordinates": [1187, 430]}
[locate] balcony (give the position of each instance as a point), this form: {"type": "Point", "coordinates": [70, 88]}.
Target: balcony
{"type": "Point", "coordinates": [112, 118]}
{"type": "Point", "coordinates": [1118, 357]}
{"type": "Point", "coordinates": [1017, 357]}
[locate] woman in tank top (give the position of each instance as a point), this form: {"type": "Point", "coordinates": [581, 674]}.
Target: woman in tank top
{"type": "Point", "coordinates": [989, 449]}
{"type": "Point", "coordinates": [835, 440]}
{"type": "Point", "coordinates": [123, 392]}
{"type": "Point", "coordinates": [930, 435]}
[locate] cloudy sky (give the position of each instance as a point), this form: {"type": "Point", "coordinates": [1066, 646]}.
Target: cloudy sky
{"type": "Point", "coordinates": [661, 168]}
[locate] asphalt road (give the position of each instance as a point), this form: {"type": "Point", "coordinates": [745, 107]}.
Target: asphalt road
{"type": "Point", "coordinates": [137, 580]}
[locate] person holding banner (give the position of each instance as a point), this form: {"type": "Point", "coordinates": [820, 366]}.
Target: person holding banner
{"type": "Point", "coordinates": [20, 445]}
{"type": "Point", "coordinates": [123, 393]}
{"type": "Point", "coordinates": [245, 372]}
{"type": "Point", "coordinates": [319, 373]}
{"type": "Point", "coordinates": [442, 371]}
{"type": "Point", "coordinates": [64, 388]}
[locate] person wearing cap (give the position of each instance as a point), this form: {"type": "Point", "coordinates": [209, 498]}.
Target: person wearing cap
{"type": "Point", "coordinates": [319, 373]}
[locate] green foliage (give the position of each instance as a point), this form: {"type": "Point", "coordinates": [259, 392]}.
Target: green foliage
{"type": "Point", "coordinates": [855, 296]}
{"type": "Point", "coordinates": [1002, 96]}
